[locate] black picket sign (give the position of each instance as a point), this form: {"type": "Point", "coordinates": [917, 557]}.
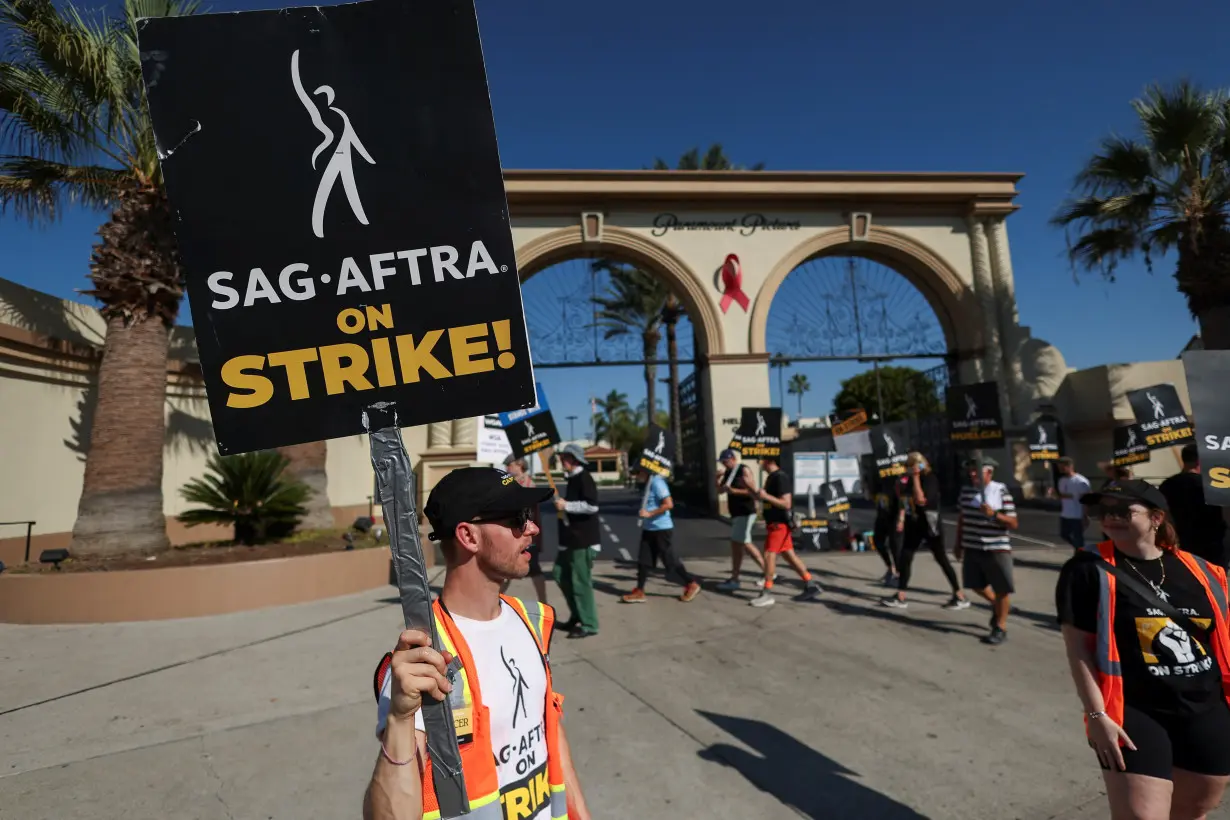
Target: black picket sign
{"type": "Point", "coordinates": [814, 533]}
{"type": "Point", "coordinates": [834, 495]}
{"type": "Point", "coordinates": [1160, 415]}
{"type": "Point", "coordinates": [974, 417]}
{"type": "Point", "coordinates": [760, 432]}
{"type": "Point", "coordinates": [1208, 372]}
{"type": "Point", "coordinates": [890, 445]}
{"type": "Point", "coordinates": [533, 433]}
{"type": "Point", "coordinates": [340, 215]}
{"type": "Point", "coordinates": [1044, 440]}
{"type": "Point", "coordinates": [1129, 446]}
{"type": "Point", "coordinates": [658, 452]}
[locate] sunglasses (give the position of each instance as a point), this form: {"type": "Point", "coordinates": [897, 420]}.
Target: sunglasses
{"type": "Point", "coordinates": [1117, 511]}
{"type": "Point", "coordinates": [516, 521]}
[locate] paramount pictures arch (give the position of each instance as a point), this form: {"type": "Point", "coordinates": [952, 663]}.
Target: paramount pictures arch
{"type": "Point", "coordinates": [946, 234]}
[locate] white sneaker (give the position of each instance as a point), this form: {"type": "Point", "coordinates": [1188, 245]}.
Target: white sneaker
{"type": "Point", "coordinates": [760, 581]}
{"type": "Point", "coordinates": [764, 600]}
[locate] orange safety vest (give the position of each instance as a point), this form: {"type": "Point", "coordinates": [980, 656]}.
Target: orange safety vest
{"type": "Point", "coordinates": [472, 722]}
{"type": "Point", "coordinates": [1109, 673]}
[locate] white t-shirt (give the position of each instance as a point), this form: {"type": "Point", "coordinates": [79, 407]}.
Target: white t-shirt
{"type": "Point", "coordinates": [514, 689]}
{"type": "Point", "coordinates": [1074, 485]}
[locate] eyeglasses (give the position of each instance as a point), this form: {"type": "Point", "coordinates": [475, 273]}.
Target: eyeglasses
{"type": "Point", "coordinates": [516, 521]}
{"type": "Point", "coordinates": [1116, 511]}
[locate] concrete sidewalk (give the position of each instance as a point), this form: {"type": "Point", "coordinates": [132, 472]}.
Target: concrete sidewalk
{"type": "Point", "coordinates": [838, 708]}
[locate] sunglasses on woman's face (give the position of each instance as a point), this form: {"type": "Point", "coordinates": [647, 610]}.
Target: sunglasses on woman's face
{"type": "Point", "coordinates": [1117, 511]}
{"type": "Point", "coordinates": [515, 521]}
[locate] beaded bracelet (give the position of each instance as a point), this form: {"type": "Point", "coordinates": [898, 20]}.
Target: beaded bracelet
{"type": "Point", "coordinates": [385, 753]}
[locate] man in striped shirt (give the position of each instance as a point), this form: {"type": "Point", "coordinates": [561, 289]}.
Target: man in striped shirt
{"type": "Point", "coordinates": [986, 515]}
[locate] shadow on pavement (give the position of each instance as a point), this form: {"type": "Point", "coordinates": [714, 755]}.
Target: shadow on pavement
{"type": "Point", "coordinates": [1029, 564]}
{"type": "Point", "coordinates": [797, 775]}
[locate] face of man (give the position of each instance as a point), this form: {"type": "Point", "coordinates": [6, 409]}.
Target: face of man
{"type": "Point", "coordinates": [987, 474]}
{"type": "Point", "coordinates": [567, 462]}
{"type": "Point", "coordinates": [503, 547]}
{"type": "Point", "coordinates": [730, 462]}
{"type": "Point", "coordinates": [971, 470]}
{"type": "Point", "coordinates": [515, 468]}
{"type": "Point", "coordinates": [768, 465]}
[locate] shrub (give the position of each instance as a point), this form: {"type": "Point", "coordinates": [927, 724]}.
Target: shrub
{"type": "Point", "coordinates": [250, 492]}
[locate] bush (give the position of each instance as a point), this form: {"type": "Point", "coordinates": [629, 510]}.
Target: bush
{"type": "Point", "coordinates": [249, 492]}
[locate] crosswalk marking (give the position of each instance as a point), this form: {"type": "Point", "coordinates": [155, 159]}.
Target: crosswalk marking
{"type": "Point", "coordinates": [624, 554]}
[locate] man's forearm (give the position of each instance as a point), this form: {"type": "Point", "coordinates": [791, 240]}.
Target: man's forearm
{"type": "Point", "coordinates": [577, 810]}
{"type": "Point", "coordinates": [396, 792]}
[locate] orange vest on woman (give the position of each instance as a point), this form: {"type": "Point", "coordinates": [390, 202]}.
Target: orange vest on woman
{"type": "Point", "coordinates": [1106, 653]}
{"type": "Point", "coordinates": [472, 722]}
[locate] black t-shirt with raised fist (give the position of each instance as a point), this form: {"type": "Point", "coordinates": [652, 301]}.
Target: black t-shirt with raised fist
{"type": "Point", "coordinates": [1165, 670]}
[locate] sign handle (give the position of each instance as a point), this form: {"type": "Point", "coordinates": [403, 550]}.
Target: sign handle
{"type": "Point", "coordinates": [546, 468]}
{"type": "Point", "coordinates": [640, 522]}
{"type": "Point", "coordinates": [396, 487]}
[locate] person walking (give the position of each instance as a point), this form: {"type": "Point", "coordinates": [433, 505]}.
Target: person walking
{"type": "Point", "coordinates": [580, 539]}
{"type": "Point", "coordinates": [495, 664]}
{"type": "Point", "coordinates": [778, 500]}
{"type": "Point", "coordinates": [1145, 632]}
{"type": "Point", "coordinates": [1200, 527]}
{"type": "Point", "coordinates": [918, 521]}
{"type": "Point", "coordinates": [1073, 520]}
{"type": "Point", "coordinates": [986, 514]}
{"type": "Point", "coordinates": [884, 531]}
{"type": "Point", "coordinates": [657, 530]}
{"type": "Point", "coordinates": [741, 493]}
{"type": "Point", "coordinates": [519, 470]}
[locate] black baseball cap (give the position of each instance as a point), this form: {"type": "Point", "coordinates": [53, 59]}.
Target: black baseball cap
{"type": "Point", "coordinates": [470, 492]}
{"type": "Point", "coordinates": [1129, 489]}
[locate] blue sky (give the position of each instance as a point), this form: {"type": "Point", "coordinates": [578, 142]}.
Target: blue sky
{"type": "Point", "coordinates": [1026, 87]}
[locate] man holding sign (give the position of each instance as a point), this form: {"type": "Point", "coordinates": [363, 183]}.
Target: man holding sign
{"type": "Point", "coordinates": [579, 540]}
{"type": "Point", "coordinates": [657, 528]}
{"type": "Point", "coordinates": [494, 663]}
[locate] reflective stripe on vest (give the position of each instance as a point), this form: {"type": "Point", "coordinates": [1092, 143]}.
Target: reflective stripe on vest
{"type": "Point", "coordinates": [481, 774]}
{"type": "Point", "coordinates": [1108, 651]}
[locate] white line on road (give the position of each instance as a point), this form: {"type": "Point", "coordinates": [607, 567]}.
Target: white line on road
{"type": "Point", "coordinates": [614, 537]}
{"type": "Point", "coordinates": [624, 554]}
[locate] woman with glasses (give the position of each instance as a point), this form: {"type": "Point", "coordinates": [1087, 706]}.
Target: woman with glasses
{"type": "Point", "coordinates": [519, 470]}
{"type": "Point", "coordinates": [1149, 658]}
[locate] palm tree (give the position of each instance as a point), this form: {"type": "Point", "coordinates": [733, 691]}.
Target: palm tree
{"type": "Point", "coordinates": [307, 463]}
{"type": "Point", "coordinates": [798, 386]}
{"type": "Point", "coordinates": [633, 303]}
{"type": "Point", "coordinates": [611, 409]}
{"type": "Point", "coordinates": [617, 423]}
{"type": "Point", "coordinates": [74, 123]}
{"type": "Point", "coordinates": [1167, 190]}
{"type": "Point", "coordinates": [715, 159]}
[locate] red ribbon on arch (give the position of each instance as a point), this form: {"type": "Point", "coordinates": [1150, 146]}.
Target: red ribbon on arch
{"type": "Point", "coordinates": [732, 283]}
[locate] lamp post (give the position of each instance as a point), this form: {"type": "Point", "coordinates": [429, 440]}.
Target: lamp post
{"type": "Point", "coordinates": [572, 432]}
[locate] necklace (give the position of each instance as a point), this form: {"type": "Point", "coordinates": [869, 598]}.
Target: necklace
{"type": "Point", "coordinates": [1157, 587]}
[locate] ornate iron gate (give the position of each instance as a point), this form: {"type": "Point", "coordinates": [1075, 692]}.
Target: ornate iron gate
{"type": "Point", "coordinates": [691, 477]}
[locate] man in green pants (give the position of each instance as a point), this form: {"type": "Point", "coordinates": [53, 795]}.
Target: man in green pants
{"type": "Point", "coordinates": [579, 541]}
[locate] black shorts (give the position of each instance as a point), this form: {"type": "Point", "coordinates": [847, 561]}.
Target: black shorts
{"type": "Point", "coordinates": [1195, 743]}
{"type": "Point", "coordinates": [988, 568]}
{"type": "Point", "coordinates": [535, 566]}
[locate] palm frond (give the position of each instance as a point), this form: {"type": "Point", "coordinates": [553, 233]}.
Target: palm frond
{"type": "Point", "coordinates": [35, 188]}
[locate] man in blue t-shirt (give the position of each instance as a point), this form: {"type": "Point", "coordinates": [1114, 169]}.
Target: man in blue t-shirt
{"type": "Point", "coordinates": [656, 531]}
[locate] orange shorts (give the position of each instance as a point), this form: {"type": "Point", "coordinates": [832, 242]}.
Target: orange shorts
{"type": "Point", "coordinates": [778, 539]}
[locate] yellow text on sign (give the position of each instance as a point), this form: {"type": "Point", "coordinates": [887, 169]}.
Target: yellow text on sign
{"type": "Point", "coordinates": [255, 379]}
{"type": "Point", "coordinates": [1219, 478]}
